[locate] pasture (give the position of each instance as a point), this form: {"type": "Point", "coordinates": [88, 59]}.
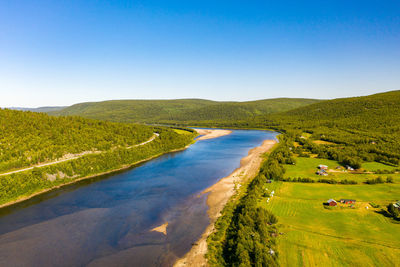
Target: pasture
{"type": "Point", "coordinates": [313, 235]}
{"type": "Point", "coordinates": [307, 167]}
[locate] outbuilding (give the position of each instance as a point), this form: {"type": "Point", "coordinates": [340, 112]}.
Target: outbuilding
{"type": "Point", "coordinates": [322, 167]}
{"type": "Point", "coordinates": [332, 202]}
{"type": "Point", "coordinates": [348, 201]}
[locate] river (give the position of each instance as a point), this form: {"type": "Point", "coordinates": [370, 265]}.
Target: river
{"type": "Point", "coordinates": [106, 221]}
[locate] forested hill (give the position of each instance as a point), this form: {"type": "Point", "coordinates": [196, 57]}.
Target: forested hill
{"type": "Point", "coordinates": [364, 128]}
{"type": "Point", "coordinates": [378, 112]}
{"type": "Point", "coordinates": [28, 138]}
{"type": "Point", "coordinates": [181, 110]}
{"type": "Point", "coordinates": [64, 149]}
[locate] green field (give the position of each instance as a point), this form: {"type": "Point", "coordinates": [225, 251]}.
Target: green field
{"type": "Point", "coordinates": [179, 131]}
{"type": "Point", "coordinates": [306, 168]}
{"type": "Point", "coordinates": [373, 166]}
{"type": "Point", "coordinates": [342, 236]}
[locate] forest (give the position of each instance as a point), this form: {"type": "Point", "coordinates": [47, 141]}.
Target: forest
{"type": "Point", "coordinates": [28, 138]}
{"type": "Point", "coordinates": [188, 111]}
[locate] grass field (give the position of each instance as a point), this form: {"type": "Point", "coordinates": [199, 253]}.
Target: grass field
{"type": "Point", "coordinates": [322, 142]}
{"type": "Point", "coordinates": [342, 236]}
{"type": "Point", "coordinates": [373, 166]}
{"type": "Point", "coordinates": [306, 168]}
{"type": "Point", "coordinates": [179, 131]}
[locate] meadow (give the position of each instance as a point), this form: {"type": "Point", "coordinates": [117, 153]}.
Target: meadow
{"type": "Point", "coordinates": [313, 235]}
{"type": "Point", "coordinates": [307, 167]}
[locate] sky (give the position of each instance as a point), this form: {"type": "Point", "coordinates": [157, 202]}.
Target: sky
{"type": "Point", "coordinates": [63, 52]}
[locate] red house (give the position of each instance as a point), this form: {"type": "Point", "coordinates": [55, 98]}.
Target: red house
{"type": "Point", "coordinates": [332, 202]}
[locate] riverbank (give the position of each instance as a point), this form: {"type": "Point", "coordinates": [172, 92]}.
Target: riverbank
{"type": "Point", "coordinates": [218, 195]}
{"type": "Point", "coordinates": [210, 134]}
{"type": "Point", "coordinates": [124, 167]}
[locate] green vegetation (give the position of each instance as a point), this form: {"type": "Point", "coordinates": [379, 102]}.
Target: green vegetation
{"type": "Point", "coordinates": [307, 168]}
{"type": "Point", "coordinates": [394, 210]}
{"type": "Point", "coordinates": [362, 133]}
{"type": "Point", "coordinates": [361, 128]}
{"type": "Point", "coordinates": [246, 232]}
{"type": "Point", "coordinates": [26, 136]}
{"type": "Point", "coordinates": [181, 111]}
{"type": "Point", "coordinates": [340, 236]}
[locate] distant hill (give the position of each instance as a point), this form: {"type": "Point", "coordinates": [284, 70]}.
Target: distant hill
{"type": "Point", "coordinates": [181, 110]}
{"type": "Point", "coordinates": [40, 109]}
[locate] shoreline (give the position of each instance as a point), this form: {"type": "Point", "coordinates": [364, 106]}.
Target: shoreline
{"type": "Point", "coordinates": [22, 199]}
{"type": "Point", "coordinates": [218, 195]}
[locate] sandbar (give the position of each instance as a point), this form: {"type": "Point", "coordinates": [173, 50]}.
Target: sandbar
{"type": "Point", "coordinates": [209, 134]}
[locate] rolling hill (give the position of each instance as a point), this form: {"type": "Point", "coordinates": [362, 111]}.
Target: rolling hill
{"type": "Point", "coordinates": [181, 110]}
{"type": "Point", "coordinates": [368, 126]}
{"type": "Point", "coordinates": [378, 112]}
{"type": "Point", "coordinates": [38, 151]}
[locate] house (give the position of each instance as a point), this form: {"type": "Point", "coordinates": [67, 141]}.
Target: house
{"type": "Point", "coordinates": [322, 172]}
{"type": "Point", "coordinates": [322, 167]}
{"type": "Point", "coordinates": [347, 201]}
{"type": "Point", "coordinates": [349, 168]}
{"type": "Point", "coordinates": [397, 205]}
{"type": "Point", "coordinates": [332, 202]}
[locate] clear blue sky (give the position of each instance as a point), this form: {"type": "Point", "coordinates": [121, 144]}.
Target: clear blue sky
{"type": "Point", "coordinates": [62, 52]}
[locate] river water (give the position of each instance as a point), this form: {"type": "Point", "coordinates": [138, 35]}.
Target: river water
{"type": "Point", "coordinates": [106, 221]}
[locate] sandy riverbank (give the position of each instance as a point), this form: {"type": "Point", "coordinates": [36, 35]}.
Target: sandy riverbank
{"type": "Point", "coordinates": [219, 194]}
{"type": "Point", "coordinates": [209, 134]}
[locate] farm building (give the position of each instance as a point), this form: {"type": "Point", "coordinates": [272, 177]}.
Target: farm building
{"type": "Point", "coordinates": [332, 202]}
{"type": "Point", "coordinates": [347, 201]}
{"type": "Point", "coordinates": [322, 167]}
{"type": "Point", "coordinates": [349, 168]}
{"type": "Point", "coordinates": [397, 205]}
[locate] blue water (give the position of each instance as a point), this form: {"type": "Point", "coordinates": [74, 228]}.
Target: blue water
{"type": "Point", "coordinates": [107, 221]}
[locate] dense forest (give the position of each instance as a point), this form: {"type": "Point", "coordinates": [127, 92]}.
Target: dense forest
{"type": "Point", "coordinates": [27, 138]}
{"type": "Point", "coordinates": [188, 111]}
